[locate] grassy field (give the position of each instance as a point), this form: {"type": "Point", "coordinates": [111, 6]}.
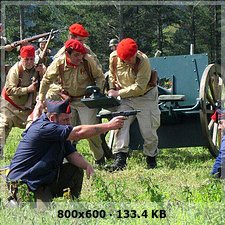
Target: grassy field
{"type": "Point", "coordinates": [181, 189]}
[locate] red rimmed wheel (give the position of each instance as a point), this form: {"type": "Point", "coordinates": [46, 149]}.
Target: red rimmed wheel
{"type": "Point", "coordinates": [211, 92]}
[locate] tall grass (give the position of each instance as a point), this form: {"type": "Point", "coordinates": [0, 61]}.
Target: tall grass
{"type": "Point", "coordinates": [181, 185]}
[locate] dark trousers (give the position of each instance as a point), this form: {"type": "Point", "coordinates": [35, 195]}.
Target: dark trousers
{"type": "Point", "coordinates": [70, 177]}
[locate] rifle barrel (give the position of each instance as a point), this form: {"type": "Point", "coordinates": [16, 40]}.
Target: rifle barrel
{"type": "Point", "coordinates": [33, 38]}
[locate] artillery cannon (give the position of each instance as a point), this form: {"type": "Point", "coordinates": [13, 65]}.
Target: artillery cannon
{"type": "Point", "coordinates": [190, 91]}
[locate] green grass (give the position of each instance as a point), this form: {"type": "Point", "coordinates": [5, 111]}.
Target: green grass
{"type": "Point", "coordinates": [181, 185]}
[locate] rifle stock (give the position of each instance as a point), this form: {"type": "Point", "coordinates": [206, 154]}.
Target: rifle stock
{"type": "Point", "coordinates": [43, 53]}
{"type": "Point", "coordinates": [41, 59]}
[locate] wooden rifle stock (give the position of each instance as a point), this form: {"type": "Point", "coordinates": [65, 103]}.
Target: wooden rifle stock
{"type": "Point", "coordinates": [33, 38]}
{"type": "Point", "coordinates": [43, 53]}
{"type": "Point", "coordinates": [41, 59]}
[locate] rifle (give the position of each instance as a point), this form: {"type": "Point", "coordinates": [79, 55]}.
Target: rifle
{"type": "Point", "coordinates": [41, 59]}
{"type": "Point", "coordinates": [126, 113]}
{"type": "Point", "coordinates": [43, 53]}
{"type": "Point", "coordinates": [33, 38]}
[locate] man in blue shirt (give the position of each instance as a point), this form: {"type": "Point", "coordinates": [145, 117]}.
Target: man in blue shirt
{"type": "Point", "coordinates": [219, 166]}
{"type": "Point", "coordinates": [38, 161]}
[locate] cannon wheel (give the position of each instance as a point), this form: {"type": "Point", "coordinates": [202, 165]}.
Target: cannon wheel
{"type": "Point", "coordinates": [210, 97]}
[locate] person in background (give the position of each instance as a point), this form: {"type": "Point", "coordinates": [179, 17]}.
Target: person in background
{"type": "Point", "coordinates": [38, 161]}
{"type": "Point", "coordinates": [129, 78]}
{"type": "Point", "coordinates": [19, 93]}
{"type": "Point", "coordinates": [47, 57]}
{"type": "Point", "coordinates": [113, 44]}
{"type": "Point", "coordinates": [218, 169]}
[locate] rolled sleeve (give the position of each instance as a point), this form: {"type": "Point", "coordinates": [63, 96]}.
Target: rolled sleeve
{"type": "Point", "coordinates": [69, 148]}
{"type": "Point", "coordinates": [53, 131]}
{"type": "Point", "coordinates": [49, 77]}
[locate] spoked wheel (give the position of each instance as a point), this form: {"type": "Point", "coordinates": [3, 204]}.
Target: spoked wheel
{"type": "Point", "coordinates": [211, 91]}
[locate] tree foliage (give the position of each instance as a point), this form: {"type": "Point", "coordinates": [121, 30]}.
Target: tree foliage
{"type": "Point", "coordinates": [169, 28]}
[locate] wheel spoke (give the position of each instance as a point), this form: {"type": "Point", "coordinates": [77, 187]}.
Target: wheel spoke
{"type": "Point", "coordinates": [210, 94]}
{"type": "Point", "coordinates": [210, 100]}
{"type": "Point", "coordinates": [209, 111]}
{"type": "Point", "coordinates": [214, 87]}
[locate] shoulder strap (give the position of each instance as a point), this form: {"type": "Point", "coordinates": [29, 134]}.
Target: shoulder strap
{"type": "Point", "coordinates": [61, 73]}
{"type": "Point", "coordinates": [87, 69]}
{"type": "Point", "coordinates": [114, 67]}
{"type": "Point", "coordinates": [20, 69]}
{"type": "Point", "coordinates": [138, 60]}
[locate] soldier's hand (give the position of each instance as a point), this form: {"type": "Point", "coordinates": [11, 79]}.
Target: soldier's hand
{"type": "Point", "coordinates": [8, 48]}
{"type": "Point", "coordinates": [41, 68]}
{"type": "Point", "coordinates": [24, 42]}
{"type": "Point", "coordinates": [113, 93]}
{"type": "Point", "coordinates": [89, 171]}
{"type": "Point", "coordinates": [117, 122]}
{"type": "Point", "coordinates": [38, 109]}
{"type": "Point", "coordinates": [33, 87]}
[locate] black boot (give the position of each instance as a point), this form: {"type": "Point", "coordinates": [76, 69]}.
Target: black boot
{"type": "Point", "coordinates": [119, 163]}
{"type": "Point", "coordinates": [151, 162]}
{"type": "Point", "coordinates": [101, 161]}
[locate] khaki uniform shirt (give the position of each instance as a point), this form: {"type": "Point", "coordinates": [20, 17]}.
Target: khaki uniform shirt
{"type": "Point", "coordinates": [89, 51]}
{"type": "Point", "coordinates": [19, 94]}
{"type": "Point", "coordinates": [132, 85]}
{"type": "Point", "coordinates": [74, 80]}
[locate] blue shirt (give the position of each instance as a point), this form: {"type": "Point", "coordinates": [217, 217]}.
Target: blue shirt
{"type": "Point", "coordinates": [220, 159]}
{"type": "Point", "coordinates": [40, 153]}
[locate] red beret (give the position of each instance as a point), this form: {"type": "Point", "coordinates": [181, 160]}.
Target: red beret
{"type": "Point", "coordinates": [27, 51]}
{"type": "Point", "coordinates": [78, 30]}
{"type": "Point", "coordinates": [76, 46]}
{"type": "Point", "coordinates": [126, 48]}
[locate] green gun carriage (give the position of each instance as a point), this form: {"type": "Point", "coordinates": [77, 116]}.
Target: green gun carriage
{"type": "Point", "coordinates": [190, 91]}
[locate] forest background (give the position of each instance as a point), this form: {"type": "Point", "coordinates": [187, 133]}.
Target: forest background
{"type": "Point", "coordinates": [170, 26]}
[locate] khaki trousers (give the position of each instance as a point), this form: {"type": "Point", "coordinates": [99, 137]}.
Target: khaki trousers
{"type": "Point", "coordinates": [148, 120]}
{"type": "Point", "coordinates": [81, 114]}
{"type": "Point", "coordinates": [10, 117]}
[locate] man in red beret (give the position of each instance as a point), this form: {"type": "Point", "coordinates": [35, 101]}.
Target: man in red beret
{"type": "Point", "coordinates": [78, 32]}
{"type": "Point", "coordinates": [129, 77]}
{"type": "Point", "coordinates": [19, 93]}
{"type": "Point", "coordinates": [73, 72]}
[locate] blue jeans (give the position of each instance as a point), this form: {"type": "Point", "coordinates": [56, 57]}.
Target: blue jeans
{"type": "Point", "coordinates": [220, 159]}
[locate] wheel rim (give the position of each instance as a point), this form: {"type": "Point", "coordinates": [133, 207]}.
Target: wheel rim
{"type": "Point", "coordinates": [211, 91]}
